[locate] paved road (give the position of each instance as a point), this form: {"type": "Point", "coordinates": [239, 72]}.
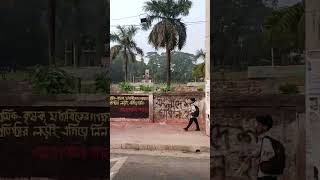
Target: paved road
{"type": "Point", "coordinates": [146, 167]}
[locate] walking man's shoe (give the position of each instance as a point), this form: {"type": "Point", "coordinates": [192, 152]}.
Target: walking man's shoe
{"type": "Point", "coordinates": [186, 129]}
{"type": "Point", "coordinates": [197, 129]}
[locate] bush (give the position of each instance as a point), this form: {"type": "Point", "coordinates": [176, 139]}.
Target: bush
{"type": "Point", "coordinates": [102, 83]}
{"type": "Point", "coordinates": [200, 89]}
{"type": "Point", "coordinates": [289, 89]}
{"type": "Point", "coordinates": [166, 88]}
{"type": "Point", "coordinates": [52, 80]}
{"type": "Point", "coordinates": [126, 87]}
{"type": "Point", "coordinates": [146, 88]}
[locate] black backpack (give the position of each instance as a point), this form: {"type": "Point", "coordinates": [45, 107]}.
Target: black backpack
{"type": "Point", "coordinates": [277, 163]}
{"type": "Point", "coordinates": [196, 113]}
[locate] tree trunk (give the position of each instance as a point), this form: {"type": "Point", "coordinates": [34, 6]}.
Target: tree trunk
{"type": "Point", "coordinates": [126, 70]}
{"type": "Point", "coordinates": [168, 52]}
{"type": "Point", "coordinates": [51, 31]}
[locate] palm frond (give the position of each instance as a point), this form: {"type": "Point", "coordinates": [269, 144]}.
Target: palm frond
{"type": "Point", "coordinates": [182, 33]}
{"type": "Point", "coordinates": [115, 51]}
{"type": "Point", "coordinates": [132, 56]}
{"type": "Point", "coordinates": [183, 7]}
{"type": "Point", "coordinates": [114, 37]}
{"type": "Point", "coordinates": [200, 54]}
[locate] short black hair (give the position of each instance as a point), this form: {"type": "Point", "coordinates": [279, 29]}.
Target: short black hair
{"type": "Point", "coordinates": [265, 120]}
{"type": "Point", "coordinates": [193, 99]}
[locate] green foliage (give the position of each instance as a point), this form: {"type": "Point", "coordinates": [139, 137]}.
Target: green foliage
{"type": "Point", "coordinates": [166, 88]}
{"type": "Point", "coordinates": [170, 31]}
{"type": "Point", "coordinates": [198, 70]}
{"type": "Point", "coordinates": [126, 46]}
{"type": "Point", "coordinates": [102, 83]}
{"type": "Point", "coordinates": [289, 89]}
{"type": "Point", "coordinates": [146, 88]}
{"type": "Point", "coordinates": [200, 89]}
{"type": "Point", "coordinates": [52, 80]}
{"type": "Point", "coordinates": [126, 87]}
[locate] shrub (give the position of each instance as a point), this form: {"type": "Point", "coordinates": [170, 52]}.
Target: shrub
{"type": "Point", "coordinates": [126, 87]}
{"type": "Point", "coordinates": [200, 89]}
{"type": "Point", "coordinates": [52, 80]}
{"type": "Point", "coordinates": [289, 89]}
{"type": "Point", "coordinates": [166, 88]}
{"type": "Point", "coordinates": [146, 88]}
{"type": "Point", "coordinates": [102, 83]}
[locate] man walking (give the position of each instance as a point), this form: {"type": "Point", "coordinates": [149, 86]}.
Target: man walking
{"type": "Point", "coordinates": [269, 157]}
{"type": "Point", "coordinates": [194, 114]}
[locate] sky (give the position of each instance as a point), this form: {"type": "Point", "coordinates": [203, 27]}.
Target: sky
{"type": "Point", "coordinates": [127, 12]}
{"type": "Point", "coordinates": [127, 8]}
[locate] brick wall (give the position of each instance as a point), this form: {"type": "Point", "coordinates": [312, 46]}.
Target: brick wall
{"type": "Point", "coordinates": [232, 128]}
{"type": "Point", "coordinates": [172, 107]}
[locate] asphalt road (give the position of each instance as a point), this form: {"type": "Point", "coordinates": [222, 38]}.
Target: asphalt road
{"type": "Point", "coordinates": [146, 167]}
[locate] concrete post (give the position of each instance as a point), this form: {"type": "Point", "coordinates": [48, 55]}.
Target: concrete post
{"type": "Point", "coordinates": [207, 68]}
{"type": "Point", "coordinates": [312, 60]}
{"type": "Point", "coordinates": [151, 116]}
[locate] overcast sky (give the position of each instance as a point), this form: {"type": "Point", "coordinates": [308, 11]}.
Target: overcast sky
{"type": "Point", "coordinates": [127, 8]}
{"type": "Point", "coordinates": [120, 10]}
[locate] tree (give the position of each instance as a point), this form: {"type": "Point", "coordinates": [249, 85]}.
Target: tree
{"type": "Point", "coordinates": [285, 30]}
{"type": "Point", "coordinates": [236, 33]}
{"type": "Point", "coordinates": [126, 46]}
{"type": "Point", "coordinates": [169, 32]}
{"type": "Point", "coordinates": [198, 70]}
{"type": "Point", "coordinates": [200, 54]}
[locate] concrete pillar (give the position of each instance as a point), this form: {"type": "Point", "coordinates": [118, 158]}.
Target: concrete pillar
{"type": "Point", "coordinates": [312, 51]}
{"type": "Point", "coordinates": [207, 68]}
{"type": "Point", "coordinates": [151, 108]}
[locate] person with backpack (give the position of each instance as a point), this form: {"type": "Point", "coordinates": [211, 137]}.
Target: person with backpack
{"type": "Point", "coordinates": [194, 114]}
{"type": "Point", "coordinates": [271, 153]}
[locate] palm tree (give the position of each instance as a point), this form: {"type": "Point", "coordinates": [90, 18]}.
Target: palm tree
{"type": "Point", "coordinates": [285, 29]}
{"type": "Point", "coordinates": [170, 31]}
{"type": "Point", "coordinates": [199, 69]}
{"type": "Point", "coordinates": [126, 46]}
{"type": "Point", "coordinates": [200, 54]}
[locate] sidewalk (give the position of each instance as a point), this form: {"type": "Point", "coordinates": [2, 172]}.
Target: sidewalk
{"type": "Point", "coordinates": [163, 137]}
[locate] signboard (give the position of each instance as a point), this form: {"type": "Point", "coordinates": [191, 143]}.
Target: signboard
{"type": "Point", "coordinates": [54, 142]}
{"type": "Point", "coordinates": [129, 106]}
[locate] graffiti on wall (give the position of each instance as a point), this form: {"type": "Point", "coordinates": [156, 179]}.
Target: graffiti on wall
{"type": "Point", "coordinates": [171, 107]}
{"type": "Point", "coordinates": [233, 137]}
{"type": "Point", "coordinates": [223, 133]}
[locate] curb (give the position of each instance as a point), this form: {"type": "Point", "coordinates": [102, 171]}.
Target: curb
{"type": "Point", "coordinates": [160, 147]}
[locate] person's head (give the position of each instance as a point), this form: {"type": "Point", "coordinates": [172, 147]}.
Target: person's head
{"type": "Point", "coordinates": [191, 100]}
{"type": "Point", "coordinates": [263, 124]}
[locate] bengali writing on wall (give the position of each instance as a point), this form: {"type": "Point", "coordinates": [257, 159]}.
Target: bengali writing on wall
{"type": "Point", "coordinates": [129, 106]}
{"type": "Point", "coordinates": [51, 137]}
{"type": "Point", "coordinates": [70, 123]}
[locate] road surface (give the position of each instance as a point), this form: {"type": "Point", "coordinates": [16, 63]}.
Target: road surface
{"type": "Point", "coordinates": [153, 167]}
